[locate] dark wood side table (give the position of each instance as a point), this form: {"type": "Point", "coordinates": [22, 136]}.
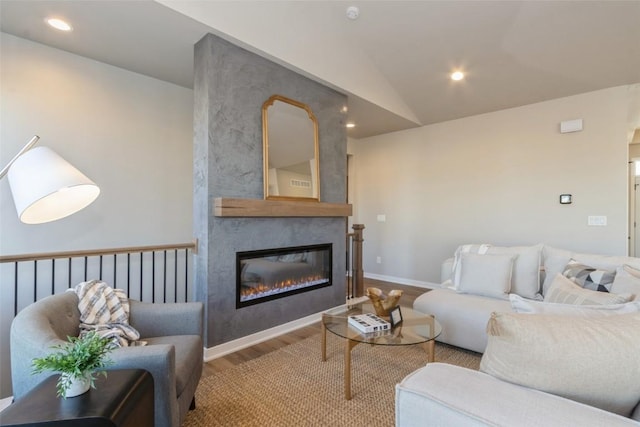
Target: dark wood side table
{"type": "Point", "coordinates": [124, 399]}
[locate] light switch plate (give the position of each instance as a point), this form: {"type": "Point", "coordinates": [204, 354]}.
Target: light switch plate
{"type": "Point", "coordinates": [382, 218]}
{"type": "Point", "coordinates": [571, 126]}
{"type": "Point", "coordinates": [597, 220]}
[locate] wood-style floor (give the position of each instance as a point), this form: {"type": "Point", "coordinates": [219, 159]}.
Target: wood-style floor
{"type": "Point", "coordinates": [229, 361]}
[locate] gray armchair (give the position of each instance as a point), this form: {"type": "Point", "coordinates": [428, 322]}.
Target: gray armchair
{"type": "Point", "coordinates": [173, 355]}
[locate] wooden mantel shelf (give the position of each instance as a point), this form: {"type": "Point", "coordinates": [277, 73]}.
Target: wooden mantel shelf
{"type": "Point", "coordinates": [227, 207]}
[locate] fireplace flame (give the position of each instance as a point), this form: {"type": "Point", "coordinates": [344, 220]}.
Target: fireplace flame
{"type": "Point", "coordinates": [260, 290]}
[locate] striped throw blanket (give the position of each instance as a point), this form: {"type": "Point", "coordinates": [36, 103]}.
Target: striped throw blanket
{"type": "Point", "coordinates": [106, 311]}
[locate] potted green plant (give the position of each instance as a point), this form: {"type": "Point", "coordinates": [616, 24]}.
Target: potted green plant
{"type": "Point", "coordinates": [79, 362]}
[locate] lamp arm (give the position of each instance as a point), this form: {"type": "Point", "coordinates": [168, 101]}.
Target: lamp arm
{"type": "Point", "coordinates": [26, 148]}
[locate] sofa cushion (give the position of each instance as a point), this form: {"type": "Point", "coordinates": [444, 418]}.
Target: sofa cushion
{"type": "Point", "coordinates": [564, 291]}
{"type": "Point", "coordinates": [521, 305]}
{"type": "Point", "coordinates": [632, 271]}
{"type": "Point", "coordinates": [488, 275]}
{"type": "Point", "coordinates": [463, 316]}
{"type": "Point", "coordinates": [188, 354]}
{"type": "Point", "coordinates": [594, 361]}
{"type": "Point", "coordinates": [627, 281]}
{"type": "Point", "coordinates": [589, 277]}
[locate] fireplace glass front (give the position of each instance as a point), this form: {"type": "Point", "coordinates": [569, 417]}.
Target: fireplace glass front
{"type": "Point", "coordinates": [268, 274]}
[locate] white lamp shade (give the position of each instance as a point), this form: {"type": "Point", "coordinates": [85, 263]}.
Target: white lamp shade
{"type": "Point", "coordinates": [45, 187]}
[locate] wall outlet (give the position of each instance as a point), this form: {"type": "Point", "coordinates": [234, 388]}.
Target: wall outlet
{"type": "Point", "coordinates": [378, 260]}
{"type": "Point", "coordinates": [597, 220]}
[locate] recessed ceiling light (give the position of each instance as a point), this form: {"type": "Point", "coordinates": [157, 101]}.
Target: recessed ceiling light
{"type": "Point", "coordinates": [351, 125]}
{"type": "Point", "coordinates": [59, 24]}
{"type": "Point", "coordinates": [457, 75]}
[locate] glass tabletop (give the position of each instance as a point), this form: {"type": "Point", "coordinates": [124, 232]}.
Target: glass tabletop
{"type": "Point", "coordinates": [415, 328]}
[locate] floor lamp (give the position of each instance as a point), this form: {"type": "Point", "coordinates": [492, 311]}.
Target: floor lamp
{"type": "Point", "coordinates": [45, 187]}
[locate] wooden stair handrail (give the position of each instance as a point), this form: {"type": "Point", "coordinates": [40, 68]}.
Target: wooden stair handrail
{"type": "Point", "coordinates": [98, 252]}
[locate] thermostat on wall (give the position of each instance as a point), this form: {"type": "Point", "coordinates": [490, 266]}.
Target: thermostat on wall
{"type": "Point", "coordinates": [565, 199]}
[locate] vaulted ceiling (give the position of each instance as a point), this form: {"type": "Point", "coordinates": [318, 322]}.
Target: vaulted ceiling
{"type": "Point", "coordinates": [393, 61]}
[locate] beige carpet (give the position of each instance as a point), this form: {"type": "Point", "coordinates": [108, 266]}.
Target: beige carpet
{"type": "Point", "coordinates": [293, 387]}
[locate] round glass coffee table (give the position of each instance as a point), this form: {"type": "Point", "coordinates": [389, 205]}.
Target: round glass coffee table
{"type": "Point", "coordinates": [415, 328]}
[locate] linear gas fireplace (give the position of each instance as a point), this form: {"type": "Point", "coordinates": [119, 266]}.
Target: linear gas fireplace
{"type": "Point", "coordinates": [275, 273]}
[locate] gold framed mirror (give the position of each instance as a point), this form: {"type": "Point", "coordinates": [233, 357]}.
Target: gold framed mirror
{"type": "Point", "coordinates": [290, 145]}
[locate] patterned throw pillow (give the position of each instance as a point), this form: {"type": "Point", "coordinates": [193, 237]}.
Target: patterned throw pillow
{"type": "Point", "coordinates": [565, 291]}
{"type": "Point", "coordinates": [589, 277]}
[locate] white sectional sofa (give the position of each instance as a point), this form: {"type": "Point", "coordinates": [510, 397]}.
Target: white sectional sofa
{"type": "Point", "coordinates": [464, 314]}
{"type": "Point", "coordinates": [573, 363]}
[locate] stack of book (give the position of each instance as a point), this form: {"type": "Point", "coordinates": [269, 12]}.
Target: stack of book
{"type": "Point", "coordinates": [369, 322]}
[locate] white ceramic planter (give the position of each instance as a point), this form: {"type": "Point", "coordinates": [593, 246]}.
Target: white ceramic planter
{"type": "Point", "coordinates": [78, 386]}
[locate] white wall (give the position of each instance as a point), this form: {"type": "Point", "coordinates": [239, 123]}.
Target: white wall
{"type": "Point", "coordinates": [494, 178]}
{"type": "Point", "coordinates": [129, 133]}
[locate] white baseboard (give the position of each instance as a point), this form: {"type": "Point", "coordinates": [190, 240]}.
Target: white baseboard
{"type": "Point", "coordinates": [253, 339]}
{"type": "Point", "coordinates": [402, 281]}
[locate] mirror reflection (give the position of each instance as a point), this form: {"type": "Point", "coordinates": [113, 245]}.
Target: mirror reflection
{"type": "Point", "coordinates": [290, 134]}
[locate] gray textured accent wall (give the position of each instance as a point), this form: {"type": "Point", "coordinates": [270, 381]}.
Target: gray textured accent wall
{"type": "Point", "coordinates": [230, 86]}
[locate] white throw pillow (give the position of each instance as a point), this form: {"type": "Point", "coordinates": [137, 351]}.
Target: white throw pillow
{"type": "Point", "coordinates": [627, 281]}
{"type": "Point", "coordinates": [631, 270]}
{"type": "Point", "coordinates": [594, 360]}
{"type": "Point", "coordinates": [487, 275]}
{"type": "Point", "coordinates": [525, 277]}
{"type": "Point", "coordinates": [525, 280]}
{"type": "Point", "coordinates": [521, 305]}
{"type": "Point", "coordinates": [563, 290]}
{"type": "Point", "coordinates": [462, 249]}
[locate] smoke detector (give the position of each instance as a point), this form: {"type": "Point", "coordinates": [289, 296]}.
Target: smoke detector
{"type": "Point", "coordinates": [353, 12]}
